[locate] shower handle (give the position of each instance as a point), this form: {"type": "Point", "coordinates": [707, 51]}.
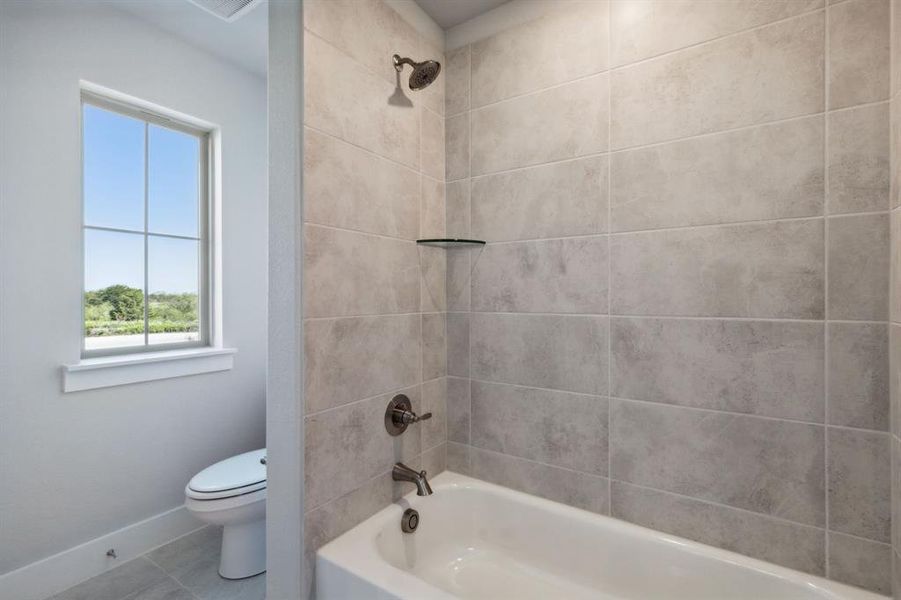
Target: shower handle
{"type": "Point", "coordinates": [399, 415]}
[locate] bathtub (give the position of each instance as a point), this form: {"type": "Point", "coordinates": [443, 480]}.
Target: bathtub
{"type": "Point", "coordinates": [478, 540]}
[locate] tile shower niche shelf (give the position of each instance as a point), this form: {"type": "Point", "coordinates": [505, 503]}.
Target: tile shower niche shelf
{"type": "Point", "coordinates": [450, 242]}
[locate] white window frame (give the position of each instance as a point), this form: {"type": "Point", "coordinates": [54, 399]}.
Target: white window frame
{"type": "Point", "coordinates": [205, 216]}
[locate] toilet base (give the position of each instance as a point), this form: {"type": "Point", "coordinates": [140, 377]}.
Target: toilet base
{"type": "Point", "coordinates": [243, 550]}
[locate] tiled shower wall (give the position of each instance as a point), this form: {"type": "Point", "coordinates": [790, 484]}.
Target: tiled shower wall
{"type": "Point", "coordinates": [895, 296]}
{"type": "Point", "coordinates": [373, 300]}
{"type": "Point", "coordinates": [681, 316]}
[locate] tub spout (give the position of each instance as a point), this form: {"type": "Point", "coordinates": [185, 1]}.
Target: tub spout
{"type": "Point", "coordinates": [402, 472]}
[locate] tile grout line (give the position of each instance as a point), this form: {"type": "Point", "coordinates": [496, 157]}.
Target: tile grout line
{"type": "Point", "coordinates": [672, 141]}
{"type": "Point", "coordinates": [469, 260]}
{"type": "Point", "coordinates": [664, 405]}
{"type": "Point", "coordinates": [826, 345]}
{"type": "Point", "coordinates": [671, 493]}
{"type": "Point", "coordinates": [611, 68]}
{"type": "Point", "coordinates": [748, 222]}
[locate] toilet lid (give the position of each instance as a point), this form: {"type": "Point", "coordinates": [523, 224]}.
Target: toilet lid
{"type": "Point", "coordinates": [238, 474]}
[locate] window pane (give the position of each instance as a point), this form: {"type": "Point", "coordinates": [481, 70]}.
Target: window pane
{"type": "Point", "coordinates": [113, 169]}
{"type": "Point", "coordinates": [174, 276]}
{"type": "Point", "coordinates": [173, 182]}
{"type": "Point", "coordinates": [114, 289]}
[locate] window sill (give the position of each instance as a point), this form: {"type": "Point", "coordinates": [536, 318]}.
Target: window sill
{"type": "Point", "coordinates": [108, 371]}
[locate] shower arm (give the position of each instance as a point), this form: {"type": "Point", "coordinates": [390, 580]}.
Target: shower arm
{"type": "Point", "coordinates": [400, 62]}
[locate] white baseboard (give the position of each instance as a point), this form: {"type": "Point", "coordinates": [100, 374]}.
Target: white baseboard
{"type": "Point", "coordinates": [56, 573]}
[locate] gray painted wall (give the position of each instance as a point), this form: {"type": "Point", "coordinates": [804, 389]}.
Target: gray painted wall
{"type": "Point", "coordinates": [76, 466]}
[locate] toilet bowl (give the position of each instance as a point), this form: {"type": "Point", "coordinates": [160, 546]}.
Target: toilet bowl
{"type": "Point", "coordinates": [232, 493]}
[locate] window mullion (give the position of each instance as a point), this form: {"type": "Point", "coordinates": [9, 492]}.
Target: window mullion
{"type": "Point", "coordinates": [146, 237]}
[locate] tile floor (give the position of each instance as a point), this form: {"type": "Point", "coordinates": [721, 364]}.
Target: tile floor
{"type": "Point", "coordinates": [185, 569]}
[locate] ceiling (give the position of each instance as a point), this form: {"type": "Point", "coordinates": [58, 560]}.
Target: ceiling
{"type": "Point", "coordinates": [448, 13]}
{"type": "Point", "coordinates": [243, 42]}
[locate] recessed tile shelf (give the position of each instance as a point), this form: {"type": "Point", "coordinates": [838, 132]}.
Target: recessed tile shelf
{"type": "Point", "coordinates": [450, 242]}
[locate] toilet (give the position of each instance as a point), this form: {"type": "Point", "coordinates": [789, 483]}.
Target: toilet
{"type": "Point", "coordinates": [232, 493]}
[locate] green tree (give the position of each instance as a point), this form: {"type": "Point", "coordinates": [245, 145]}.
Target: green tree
{"type": "Point", "coordinates": [126, 303]}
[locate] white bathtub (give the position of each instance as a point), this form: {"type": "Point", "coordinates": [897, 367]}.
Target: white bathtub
{"type": "Point", "coordinates": [478, 540]}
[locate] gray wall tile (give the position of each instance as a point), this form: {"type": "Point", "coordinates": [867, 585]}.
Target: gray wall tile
{"type": "Point", "coordinates": [859, 159]}
{"type": "Point", "coordinates": [858, 52]}
{"type": "Point", "coordinates": [858, 266]}
{"type": "Point", "coordinates": [568, 42]}
{"type": "Point", "coordinates": [788, 544]}
{"type": "Point", "coordinates": [459, 409]}
{"type": "Point", "coordinates": [704, 454]}
{"type": "Point", "coordinates": [354, 107]}
{"type": "Point", "coordinates": [556, 428]}
{"type": "Point", "coordinates": [769, 172]}
{"type": "Point", "coordinates": [895, 148]}
{"type": "Point", "coordinates": [559, 123]}
{"type": "Point", "coordinates": [434, 461]}
{"type": "Point", "coordinates": [895, 379]}
{"type": "Point", "coordinates": [895, 265]}
{"type": "Point", "coordinates": [325, 523]}
{"type": "Point", "coordinates": [432, 157]}
{"type": "Point", "coordinates": [459, 458]}
{"type": "Point", "coordinates": [456, 136]}
{"type": "Point", "coordinates": [348, 445]}
{"type": "Point", "coordinates": [355, 358]}
{"type": "Point", "coordinates": [588, 492]}
{"type": "Point", "coordinates": [640, 30]}
{"type": "Point", "coordinates": [556, 200]}
{"type": "Point", "coordinates": [432, 278]}
{"type": "Point", "coordinates": [369, 31]}
{"type": "Point", "coordinates": [433, 96]}
{"type": "Point", "coordinates": [433, 209]}
{"type": "Point", "coordinates": [433, 431]}
{"type": "Point", "coordinates": [558, 352]}
{"type": "Point", "coordinates": [724, 84]}
{"type": "Point", "coordinates": [458, 344]}
{"type": "Point", "coordinates": [556, 276]}
{"type": "Point", "coordinates": [457, 209]}
{"type": "Point", "coordinates": [434, 346]}
{"type": "Point", "coordinates": [765, 368]}
{"type": "Point", "coordinates": [337, 175]}
{"type": "Point", "coordinates": [859, 375]}
{"type": "Point", "coordinates": [351, 274]}
{"type": "Point", "coordinates": [459, 278]}
{"type": "Point", "coordinates": [895, 59]}
{"type": "Point", "coordinates": [895, 485]}
{"type": "Point", "coordinates": [457, 86]}
{"type": "Point", "coordinates": [860, 562]}
{"type": "Point", "coordinates": [859, 483]}
{"type": "Point", "coordinates": [755, 270]}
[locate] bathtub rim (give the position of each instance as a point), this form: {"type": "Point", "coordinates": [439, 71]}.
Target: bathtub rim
{"type": "Point", "coordinates": [356, 551]}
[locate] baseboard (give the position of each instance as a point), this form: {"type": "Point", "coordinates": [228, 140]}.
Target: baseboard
{"type": "Point", "coordinates": [56, 573]}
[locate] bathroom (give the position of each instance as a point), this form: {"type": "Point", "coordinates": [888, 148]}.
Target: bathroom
{"type": "Point", "coordinates": [450, 299]}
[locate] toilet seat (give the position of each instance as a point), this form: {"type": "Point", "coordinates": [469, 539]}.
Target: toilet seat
{"type": "Point", "coordinates": [230, 478]}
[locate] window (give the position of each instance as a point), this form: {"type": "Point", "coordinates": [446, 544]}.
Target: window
{"type": "Point", "coordinates": [146, 248]}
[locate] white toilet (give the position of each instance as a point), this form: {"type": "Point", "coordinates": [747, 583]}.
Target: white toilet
{"type": "Point", "coordinates": [232, 493]}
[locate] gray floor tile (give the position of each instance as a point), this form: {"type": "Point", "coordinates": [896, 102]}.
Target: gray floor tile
{"type": "Point", "coordinates": [132, 577]}
{"type": "Point", "coordinates": [164, 590]}
{"type": "Point", "coordinates": [193, 561]}
{"type": "Point", "coordinates": [186, 569]}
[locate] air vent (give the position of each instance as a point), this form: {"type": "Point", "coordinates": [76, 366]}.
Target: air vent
{"type": "Point", "coordinates": [227, 10]}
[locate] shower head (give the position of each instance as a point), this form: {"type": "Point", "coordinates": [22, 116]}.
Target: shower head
{"type": "Point", "coordinates": [424, 73]}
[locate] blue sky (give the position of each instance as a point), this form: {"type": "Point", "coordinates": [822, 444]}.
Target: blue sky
{"type": "Point", "coordinates": [114, 197]}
